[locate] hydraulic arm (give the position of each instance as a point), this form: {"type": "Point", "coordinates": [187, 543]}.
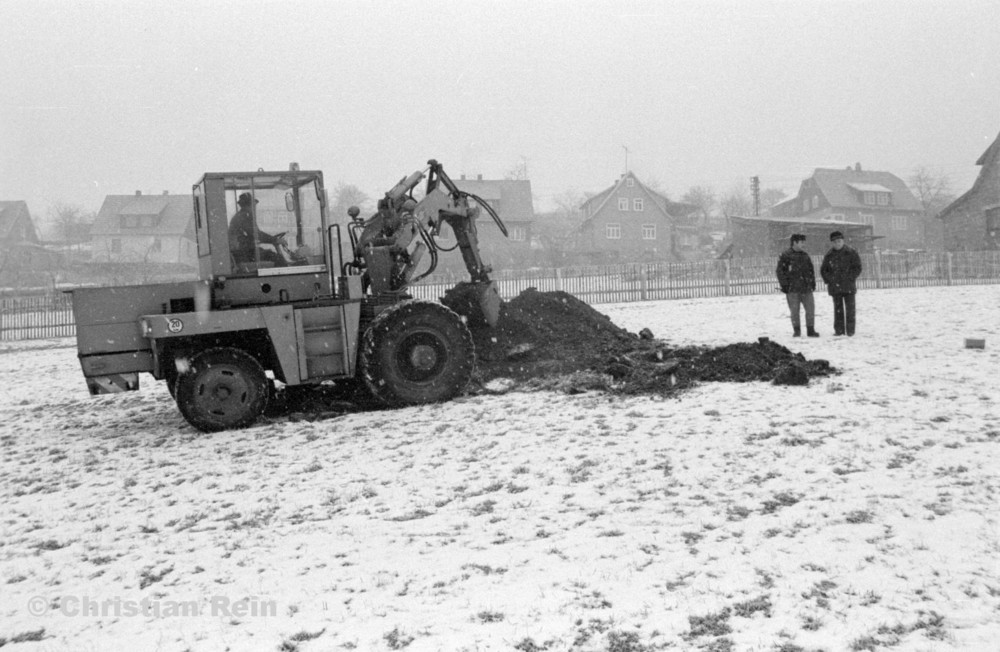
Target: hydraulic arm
{"type": "Point", "coordinates": [389, 246]}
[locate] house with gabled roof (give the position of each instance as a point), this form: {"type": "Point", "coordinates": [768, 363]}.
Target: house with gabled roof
{"type": "Point", "coordinates": [145, 229]}
{"type": "Point", "coordinates": [972, 222]}
{"type": "Point", "coordinates": [16, 225]}
{"type": "Point", "coordinates": [856, 196]}
{"type": "Point", "coordinates": [629, 221]}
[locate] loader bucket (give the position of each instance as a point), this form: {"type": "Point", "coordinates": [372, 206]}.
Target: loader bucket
{"type": "Point", "coordinates": [478, 302]}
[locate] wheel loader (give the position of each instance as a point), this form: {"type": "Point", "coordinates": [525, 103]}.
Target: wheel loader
{"type": "Point", "coordinates": [293, 308]}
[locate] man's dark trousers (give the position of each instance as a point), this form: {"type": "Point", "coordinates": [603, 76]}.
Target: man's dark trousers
{"type": "Point", "coordinates": [843, 314]}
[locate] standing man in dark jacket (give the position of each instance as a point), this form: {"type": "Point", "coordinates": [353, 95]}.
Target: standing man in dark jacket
{"type": "Point", "coordinates": [797, 279]}
{"type": "Point", "coordinates": [840, 269]}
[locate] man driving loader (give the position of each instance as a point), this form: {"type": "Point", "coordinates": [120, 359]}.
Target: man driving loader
{"type": "Point", "coordinates": [243, 236]}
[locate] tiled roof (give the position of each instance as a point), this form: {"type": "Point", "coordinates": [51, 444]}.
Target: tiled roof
{"type": "Point", "coordinates": [835, 186]}
{"type": "Point", "coordinates": [175, 214]}
{"type": "Point", "coordinates": [10, 212]}
{"type": "Point", "coordinates": [513, 195]}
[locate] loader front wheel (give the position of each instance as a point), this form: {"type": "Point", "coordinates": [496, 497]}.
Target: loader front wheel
{"type": "Point", "coordinates": [223, 388]}
{"type": "Point", "coordinates": [417, 352]}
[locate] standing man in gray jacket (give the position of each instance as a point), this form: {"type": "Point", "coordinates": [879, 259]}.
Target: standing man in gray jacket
{"type": "Point", "coordinates": [840, 270]}
{"type": "Point", "coordinates": [797, 279]}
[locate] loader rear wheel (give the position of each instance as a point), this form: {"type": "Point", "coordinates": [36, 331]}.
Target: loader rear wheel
{"type": "Point", "coordinates": [417, 352]}
{"type": "Point", "coordinates": [223, 388]}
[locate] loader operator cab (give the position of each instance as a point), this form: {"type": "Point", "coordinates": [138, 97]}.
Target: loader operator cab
{"type": "Point", "coordinates": [261, 236]}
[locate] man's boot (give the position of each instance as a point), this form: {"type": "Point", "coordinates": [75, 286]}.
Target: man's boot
{"type": "Point", "coordinates": [812, 333]}
{"type": "Point", "coordinates": [797, 332]}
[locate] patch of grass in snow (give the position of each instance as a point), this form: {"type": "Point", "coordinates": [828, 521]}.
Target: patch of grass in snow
{"type": "Point", "coordinates": [490, 617]}
{"type": "Point", "coordinates": [412, 516]}
{"type": "Point", "coordinates": [396, 639]}
{"type": "Point", "coordinates": [737, 513]}
{"type": "Point", "coordinates": [859, 516]}
{"type": "Point", "coordinates": [821, 592]}
{"type": "Point", "coordinates": [782, 499]}
{"type": "Point", "coordinates": [581, 472]}
{"type": "Point", "coordinates": [148, 576]}
{"type": "Point", "coordinates": [811, 623]}
{"type": "Point", "coordinates": [485, 570]}
{"type": "Point", "coordinates": [899, 459]}
{"type": "Point", "coordinates": [750, 607]}
{"type": "Point", "coordinates": [619, 641]}
{"type": "Point", "coordinates": [528, 644]}
{"type": "Point", "coordinates": [306, 636]}
{"type": "Point", "coordinates": [711, 624]}
{"type": "Point", "coordinates": [32, 636]}
{"type": "Point", "coordinates": [485, 507]}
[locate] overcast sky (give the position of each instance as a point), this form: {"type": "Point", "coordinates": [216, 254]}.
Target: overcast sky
{"type": "Point", "coordinates": [104, 97]}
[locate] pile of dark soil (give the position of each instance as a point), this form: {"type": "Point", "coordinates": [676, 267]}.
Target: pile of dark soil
{"type": "Point", "coordinates": [548, 334]}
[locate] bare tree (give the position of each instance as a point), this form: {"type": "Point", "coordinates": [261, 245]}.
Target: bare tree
{"type": "Point", "coordinates": [654, 184]}
{"type": "Point", "coordinates": [569, 202]}
{"type": "Point", "coordinates": [737, 201]}
{"type": "Point", "coordinates": [703, 197]}
{"type": "Point", "coordinates": [933, 190]}
{"type": "Point", "coordinates": [346, 195]}
{"type": "Point", "coordinates": [72, 222]}
{"type": "Point", "coordinates": [771, 196]}
{"type": "Point", "coordinates": [519, 171]}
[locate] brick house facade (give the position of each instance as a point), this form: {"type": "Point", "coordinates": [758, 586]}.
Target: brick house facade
{"type": "Point", "coordinates": [855, 196]}
{"type": "Point", "coordinates": [972, 222]}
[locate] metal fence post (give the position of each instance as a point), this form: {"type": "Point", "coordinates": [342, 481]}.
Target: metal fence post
{"type": "Point", "coordinates": [947, 266]}
{"type": "Point", "coordinates": [644, 285]}
{"type": "Point", "coordinates": [559, 282]}
{"type": "Point", "coordinates": [878, 270]}
{"type": "Point", "coordinates": [729, 279]}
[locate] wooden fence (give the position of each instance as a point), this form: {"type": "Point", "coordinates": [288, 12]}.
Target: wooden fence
{"type": "Point", "coordinates": [50, 315]}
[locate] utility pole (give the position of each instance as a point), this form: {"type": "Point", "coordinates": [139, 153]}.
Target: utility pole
{"type": "Point", "coordinates": [755, 191]}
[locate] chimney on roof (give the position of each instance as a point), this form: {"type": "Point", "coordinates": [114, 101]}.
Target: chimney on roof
{"type": "Point", "coordinates": [857, 167]}
{"type": "Point", "coordinates": [138, 193]}
{"type": "Point", "coordinates": [479, 177]}
{"type": "Point", "coordinates": [166, 192]}
{"type": "Point", "coordinates": [461, 177]}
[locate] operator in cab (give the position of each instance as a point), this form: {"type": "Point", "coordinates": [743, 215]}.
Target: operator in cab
{"type": "Point", "coordinates": [243, 233]}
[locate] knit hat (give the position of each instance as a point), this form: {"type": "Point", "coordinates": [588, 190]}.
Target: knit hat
{"type": "Point", "coordinates": [798, 237]}
{"type": "Point", "coordinates": [836, 235]}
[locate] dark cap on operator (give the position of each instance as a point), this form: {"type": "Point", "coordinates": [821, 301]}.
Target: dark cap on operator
{"type": "Point", "coordinates": [245, 198]}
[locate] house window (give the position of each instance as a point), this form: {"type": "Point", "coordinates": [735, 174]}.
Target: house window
{"type": "Point", "coordinates": [518, 233]}
{"type": "Point", "coordinates": [883, 199]}
{"type": "Point", "coordinates": [623, 203]}
{"type": "Point", "coordinates": [869, 198]}
{"type": "Point", "coordinates": [613, 231]}
{"type": "Point", "coordinates": [649, 232]}
{"type": "Point", "coordinates": [993, 221]}
{"type": "Point", "coordinates": [899, 222]}
{"type": "Point", "coordinates": [866, 218]}
{"type": "Point", "coordinates": [815, 201]}
{"type": "Point", "coordinates": [116, 246]}
{"type": "Point", "coordinates": [630, 182]}
{"type": "Point", "coordinates": [836, 217]}
{"type": "Point", "coordinates": [157, 245]}
{"type": "Point", "coordinates": [637, 204]}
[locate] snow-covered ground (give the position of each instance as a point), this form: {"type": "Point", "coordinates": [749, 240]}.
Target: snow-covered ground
{"type": "Point", "coordinates": [859, 512]}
